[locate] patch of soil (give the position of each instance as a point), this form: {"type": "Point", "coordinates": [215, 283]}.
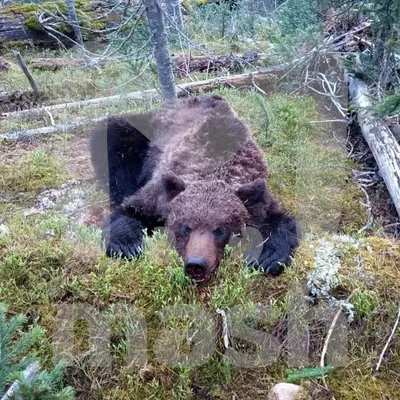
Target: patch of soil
{"type": "Point", "coordinates": [383, 209]}
{"type": "Point", "coordinates": [16, 101]}
{"type": "Point", "coordinates": [76, 152]}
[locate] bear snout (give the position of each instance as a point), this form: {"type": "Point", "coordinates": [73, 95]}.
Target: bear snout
{"type": "Point", "coordinates": [196, 268]}
{"type": "Point", "coordinates": [200, 256]}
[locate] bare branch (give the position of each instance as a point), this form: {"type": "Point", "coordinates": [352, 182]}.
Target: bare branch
{"type": "Point", "coordinates": [25, 70]}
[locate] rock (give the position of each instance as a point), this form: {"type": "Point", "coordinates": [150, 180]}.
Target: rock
{"type": "Point", "coordinates": [287, 391]}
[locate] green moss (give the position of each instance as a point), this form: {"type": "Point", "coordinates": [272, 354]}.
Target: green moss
{"type": "Point", "coordinates": [28, 12]}
{"type": "Point", "coordinates": [32, 23]}
{"type": "Point", "coordinates": [31, 175]}
{"type": "Point", "coordinates": [17, 45]}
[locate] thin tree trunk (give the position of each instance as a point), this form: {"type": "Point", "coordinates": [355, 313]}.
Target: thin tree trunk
{"type": "Point", "coordinates": [175, 14]}
{"type": "Point", "coordinates": [155, 20]}
{"type": "Point", "coordinates": [73, 19]}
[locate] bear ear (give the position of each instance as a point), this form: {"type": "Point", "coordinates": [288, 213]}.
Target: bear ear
{"type": "Point", "coordinates": [172, 185]}
{"type": "Point", "coordinates": [253, 192]}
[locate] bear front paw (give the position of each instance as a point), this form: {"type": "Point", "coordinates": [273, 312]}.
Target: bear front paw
{"type": "Point", "coordinates": [124, 250]}
{"type": "Point", "coordinates": [123, 236]}
{"type": "Point", "coordinates": [272, 264]}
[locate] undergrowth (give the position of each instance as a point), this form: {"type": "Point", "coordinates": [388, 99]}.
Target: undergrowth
{"type": "Point", "coordinates": [50, 263]}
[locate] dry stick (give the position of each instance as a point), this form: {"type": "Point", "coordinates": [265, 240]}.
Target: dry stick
{"type": "Point", "coordinates": [368, 205]}
{"type": "Point", "coordinates": [258, 87]}
{"type": "Point", "coordinates": [327, 339]}
{"type": "Point", "coordinates": [51, 118]}
{"type": "Point", "coordinates": [225, 333]}
{"type": "Point", "coordinates": [378, 365]}
{"type": "Point", "coordinates": [328, 121]}
{"type": "Point", "coordinates": [25, 70]}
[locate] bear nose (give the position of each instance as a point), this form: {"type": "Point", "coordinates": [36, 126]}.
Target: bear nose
{"type": "Point", "coordinates": [196, 268]}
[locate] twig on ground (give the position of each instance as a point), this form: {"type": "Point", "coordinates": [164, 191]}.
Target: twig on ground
{"type": "Point", "coordinates": [328, 338]}
{"type": "Point", "coordinates": [392, 225]}
{"type": "Point", "coordinates": [258, 87]}
{"type": "Point", "coordinates": [369, 208]}
{"type": "Point", "coordinates": [328, 121]}
{"type": "Point", "coordinates": [396, 324]}
{"type": "Point", "coordinates": [51, 118]}
{"type": "Point", "coordinates": [224, 327]}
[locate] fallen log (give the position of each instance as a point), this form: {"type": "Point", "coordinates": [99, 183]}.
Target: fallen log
{"type": "Point", "coordinates": [47, 130]}
{"type": "Point", "coordinates": [183, 65]}
{"type": "Point", "coordinates": [380, 139]}
{"type": "Point", "coordinates": [19, 22]}
{"type": "Point", "coordinates": [14, 28]}
{"type": "Point", "coordinates": [265, 78]}
{"type": "Point", "coordinates": [52, 64]}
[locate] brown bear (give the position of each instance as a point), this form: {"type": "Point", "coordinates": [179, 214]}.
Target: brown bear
{"type": "Point", "coordinates": [194, 167]}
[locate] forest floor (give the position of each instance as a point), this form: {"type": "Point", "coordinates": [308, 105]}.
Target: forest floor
{"type": "Point", "coordinates": [51, 256]}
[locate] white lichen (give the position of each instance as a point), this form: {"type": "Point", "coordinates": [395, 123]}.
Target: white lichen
{"type": "Point", "coordinates": [67, 199]}
{"type": "Point", "coordinates": [4, 231]}
{"type": "Point", "coordinates": [325, 277]}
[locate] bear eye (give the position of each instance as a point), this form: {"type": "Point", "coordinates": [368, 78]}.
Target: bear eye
{"type": "Point", "coordinates": [219, 232]}
{"type": "Point", "coordinates": [186, 229]}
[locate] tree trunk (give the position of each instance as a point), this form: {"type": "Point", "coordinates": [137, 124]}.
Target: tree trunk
{"type": "Point", "coordinates": [380, 139]}
{"type": "Point", "coordinates": [73, 19]}
{"type": "Point", "coordinates": [175, 16]}
{"type": "Point", "coordinates": [158, 35]}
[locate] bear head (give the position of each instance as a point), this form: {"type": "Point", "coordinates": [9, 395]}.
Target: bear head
{"type": "Point", "coordinates": [203, 215]}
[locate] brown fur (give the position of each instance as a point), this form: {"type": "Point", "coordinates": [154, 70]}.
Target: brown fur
{"type": "Point", "coordinates": [212, 155]}
{"type": "Point", "coordinates": [194, 166]}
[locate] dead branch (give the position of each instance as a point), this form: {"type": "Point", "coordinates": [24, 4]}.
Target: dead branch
{"type": "Point", "coordinates": [25, 70]}
{"type": "Point", "coordinates": [396, 324]}
{"type": "Point", "coordinates": [328, 338]}
{"type": "Point", "coordinates": [368, 205]}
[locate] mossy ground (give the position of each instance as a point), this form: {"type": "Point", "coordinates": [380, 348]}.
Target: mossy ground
{"type": "Point", "coordinates": [84, 10]}
{"type": "Point", "coordinates": [50, 260]}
